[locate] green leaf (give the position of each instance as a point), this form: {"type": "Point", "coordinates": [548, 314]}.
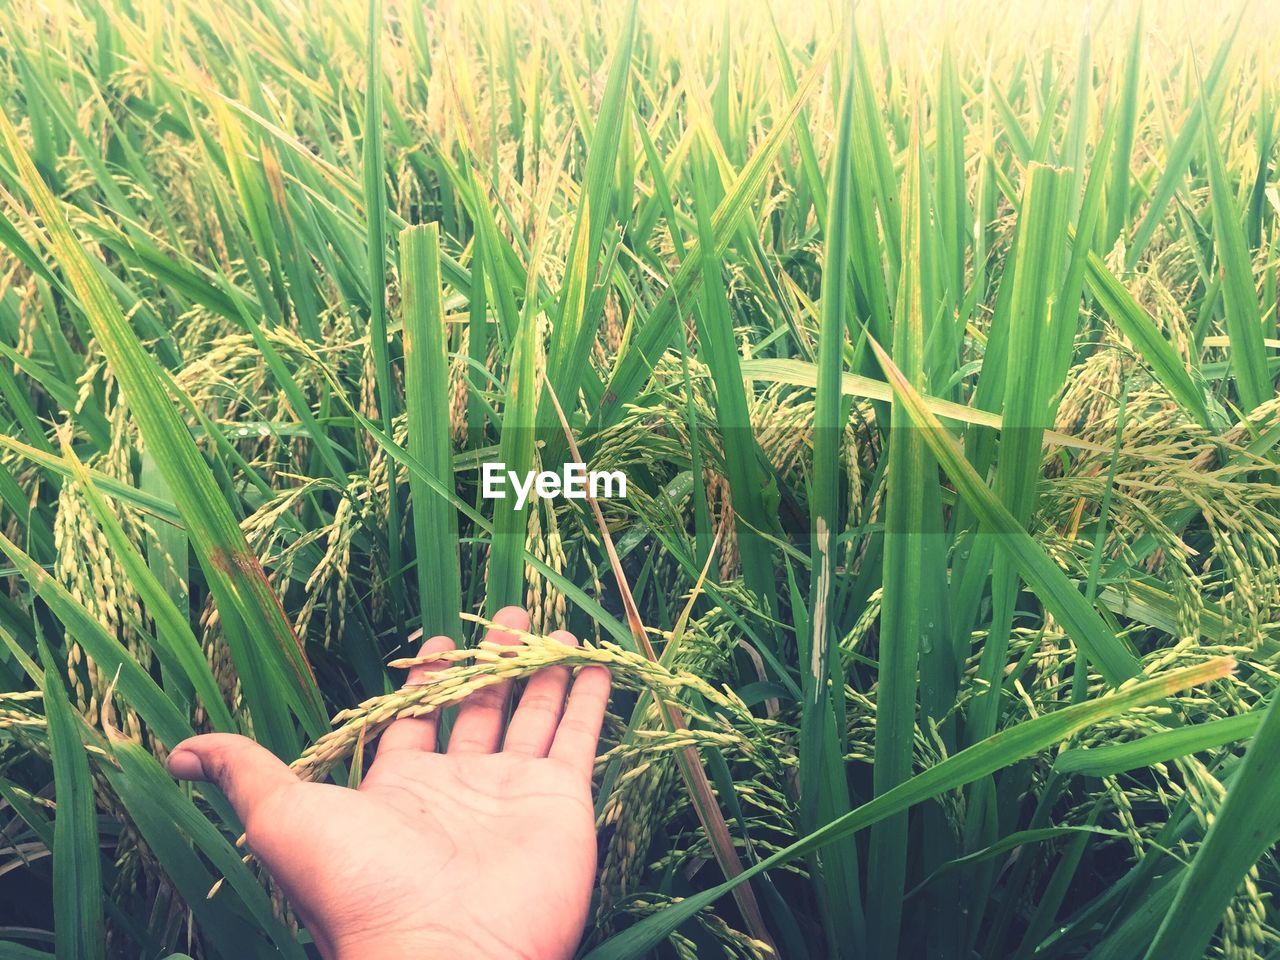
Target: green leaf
{"type": "Point", "coordinates": [426, 374]}
{"type": "Point", "coordinates": [111, 657]}
{"type": "Point", "coordinates": [634, 364]}
{"type": "Point", "coordinates": [1034, 342]}
{"type": "Point", "coordinates": [745, 466]}
{"type": "Point", "coordinates": [911, 531]}
{"type": "Point", "coordinates": [1152, 345]}
{"type": "Point", "coordinates": [1178, 155]}
{"type": "Point", "coordinates": [171, 824]}
{"type": "Point", "coordinates": [980, 760]}
{"type": "Point", "coordinates": [1113, 759]}
{"type": "Point", "coordinates": [373, 166]}
{"type": "Point", "coordinates": [824, 790]}
{"type": "Point", "coordinates": [175, 644]}
{"type": "Point", "coordinates": [268, 657]}
{"type": "Point", "coordinates": [1243, 830]}
{"type": "Point", "coordinates": [1240, 299]}
{"type": "Point", "coordinates": [801, 373]}
{"type": "Point", "coordinates": [77, 866]}
{"type": "Point", "coordinates": [574, 331]}
{"type": "Point", "coordinates": [1060, 596]}
{"type": "Point", "coordinates": [148, 503]}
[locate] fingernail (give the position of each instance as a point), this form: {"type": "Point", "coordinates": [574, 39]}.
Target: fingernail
{"type": "Point", "coordinates": [185, 765]}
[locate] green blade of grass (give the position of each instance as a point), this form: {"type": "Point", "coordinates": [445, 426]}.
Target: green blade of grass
{"type": "Point", "coordinates": [504, 581]}
{"type": "Point", "coordinates": [77, 866]}
{"type": "Point", "coordinates": [1243, 829]}
{"type": "Point", "coordinates": [873, 152]}
{"type": "Point", "coordinates": [478, 337]}
{"type": "Point", "coordinates": [426, 375]}
{"type": "Point", "coordinates": [634, 365]}
{"type": "Point", "coordinates": [574, 332]}
{"type": "Point", "coordinates": [250, 187]}
{"type": "Point", "coordinates": [801, 373]}
{"type": "Point", "coordinates": [183, 839]}
{"type": "Point", "coordinates": [875, 254]}
{"type": "Point", "coordinates": [1136, 324]}
{"type": "Point", "coordinates": [1113, 759]}
{"type": "Point", "coordinates": [175, 643]}
{"type": "Point", "coordinates": [689, 761]}
{"type": "Point", "coordinates": [268, 656]}
{"type": "Point", "coordinates": [804, 139]}
{"type": "Point", "coordinates": [1087, 207]}
{"type": "Point", "coordinates": [949, 165]}
{"type": "Point", "coordinates": [246, 312]}
{"type": "Point", "coordinates": [592, 608]}
{"type": "Point", "coordinates": [1240, 299]}
{"type": "Point", "coordinates": [1179, 155]}
{"type": "Point", "coordinates": [16, 951]}
{"type": "Point", "coordinates": [1056, 591]}
{"type": "Point", "coordinates": [92, 420]}
{"type": "Point", "coordinates": [1118, 211]}
{"type": "Point", "coordinates": [1075, 139]}
{"type": "Point", "coordinates": [1034, 336]}
{"type": "Point", "coordinates": [373, 167]}
{"type": "Point", "coordinates": [107, 652]}
{"type": "Point", "coordinates": [973, 763]}
{"type": "Point", "coordinates": [745, 467]}
{"type": "Point", "coordinates": [910, 532]}
{"type": "Point", "coordinates": [824, 790]}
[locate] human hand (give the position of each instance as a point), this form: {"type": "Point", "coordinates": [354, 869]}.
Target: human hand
{"type": "Point", "coordinates": [475, 852]}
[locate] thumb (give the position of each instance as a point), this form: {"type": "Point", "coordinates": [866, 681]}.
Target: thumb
{"type": "Point", "coordinates": [246, 772]}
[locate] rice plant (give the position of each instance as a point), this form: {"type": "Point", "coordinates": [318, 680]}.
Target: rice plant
{"type": "Point", "coordinates": [937, 347]}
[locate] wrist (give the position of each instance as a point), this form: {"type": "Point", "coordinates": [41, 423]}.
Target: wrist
{"type": "Point", "coordinates": [392, 947]}
{"type": "Point", "coordinates": [423, 945]}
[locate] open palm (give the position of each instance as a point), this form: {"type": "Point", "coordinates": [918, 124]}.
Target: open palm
{"type": "Point", "coordinates": [485, 850]}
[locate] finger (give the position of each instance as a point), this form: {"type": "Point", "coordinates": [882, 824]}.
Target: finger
{"type": "Point", "coordinates": [478, 726]}
{"type": "Point", "coordinates": [533, 725]}
{"type": "Point", "coordinates": [246, 772]}
{"type": "Point", "coordinates": [579, 731]}
{"type": "Point", "coordinates": [417, 733]}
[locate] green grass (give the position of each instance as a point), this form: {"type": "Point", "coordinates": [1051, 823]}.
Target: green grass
{"type": "Point", "coordinates": [939, 350]}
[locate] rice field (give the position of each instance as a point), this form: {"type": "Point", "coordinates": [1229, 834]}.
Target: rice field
{"type": "Point", "coordinates": [936, 345]}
